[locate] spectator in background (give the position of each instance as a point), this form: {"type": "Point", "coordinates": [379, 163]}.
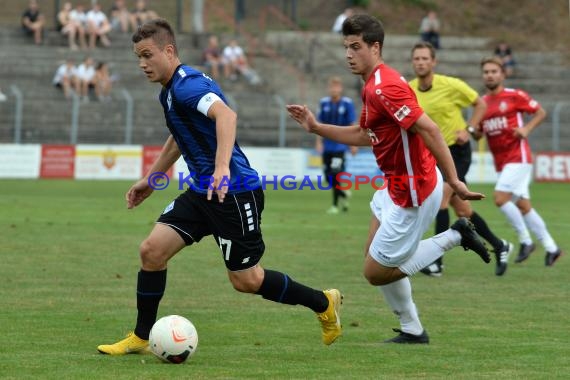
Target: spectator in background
{"type": "Point", "coordinates": [213, 60]}
{"type": "Point", "coordinates": [64, 78]}
{"type": "Point", "coordinates": [103, 82]}
{"type": "Point", "coordinates": [141, 14]}
{"type": "Point", "coordinates": [98, 26]}
{"type": "Point", "coordinates": [85, 78]}
{"type": "Point", "coordinates": [235, 58]}
{"type": "Point", "coordinates": [120, 16]}
{"type": "Point", "coordinates": [71, 26]}
{"type": "Point", "coordinates": [504, 52]}
{"type": "Point", "coordinates": [79, 16]}
{"type": "Point", "coordinates": [429, 29]}
{"type": "Point", "coordinates": [33, 21]}
{"type": "Point", "coordinates": [337, 26]}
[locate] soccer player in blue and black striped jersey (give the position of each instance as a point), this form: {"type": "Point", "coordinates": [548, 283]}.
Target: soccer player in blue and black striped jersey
{"type": "Point", "coordinates": [335, 109]}
{"type": "Point", "coordinates": [224, 199]}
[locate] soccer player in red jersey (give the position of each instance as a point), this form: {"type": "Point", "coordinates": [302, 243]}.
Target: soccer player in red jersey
{"type": "Point", "coordinates": [507, 133]}
{"type": "Point", "coordinates": [406, 143]}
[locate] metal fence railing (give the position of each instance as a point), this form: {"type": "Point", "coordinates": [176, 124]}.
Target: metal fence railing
{"type": "Point", "coordinates": [257, 113]}
{"type": "Point", "coordinates": [18, 113]}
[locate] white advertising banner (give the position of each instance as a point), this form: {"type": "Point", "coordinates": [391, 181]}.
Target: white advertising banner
{"type": "Point", "coordinates": [108, 161]}
{"type": "Point", "coordinates": [126, 162]}
{"type": "Point", "coordinates": [482, 169]}
{"type": "Point", "coordinates": [552, 167]}
{"type": "Point", "coordinates": [266, 161]}
{"type": "Point", "coordinates": [277, 161]}
{"type": "Point", "coordinates": [20, 160]}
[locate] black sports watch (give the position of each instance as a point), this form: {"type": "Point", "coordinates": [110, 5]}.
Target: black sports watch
{"type": "Point", "coordinates": [471, 129]}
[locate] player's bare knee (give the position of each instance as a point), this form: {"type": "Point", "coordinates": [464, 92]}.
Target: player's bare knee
{"type": "Point", "coordinates": [151, 255]}
{"type": "Point", "coordinates": [374, 278]}
{"type": "Point", "coordinates": [245, 285]}
{"type": "Point", "coordinates": [499, 200]}
{"type": "Point", "coordinates": [377, 281]}
{"type": "Point", "coordinates": [524, 206]}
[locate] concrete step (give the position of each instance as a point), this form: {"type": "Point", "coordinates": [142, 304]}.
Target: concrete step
{"type": "Point", "coordinates": [390, 40]}
{"type": "Point", "coordinates": [397, 48]}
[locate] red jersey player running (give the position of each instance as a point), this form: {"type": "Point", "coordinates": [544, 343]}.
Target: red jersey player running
{"type": "Point", "coordinates": [406, 143]}
{"type": "Point", "coordinates": [507, 134]}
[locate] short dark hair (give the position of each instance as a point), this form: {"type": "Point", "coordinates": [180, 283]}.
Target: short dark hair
{"type": "Point", "coordinates": [369, 27]}
{"type": "Point", "coordinates": [159, 30]}
{"type": "Point", "coordinates": [424, 45]}
{"type": "Point", "coordinates": [496, 60]}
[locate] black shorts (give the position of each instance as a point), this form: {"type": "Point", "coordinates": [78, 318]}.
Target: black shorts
{"type": "Point", "coordinates": [461, 155]}
{"type": "Point", "coordinates": [333, 163]}
{"type": "Point", "coordinates": [235, 224]}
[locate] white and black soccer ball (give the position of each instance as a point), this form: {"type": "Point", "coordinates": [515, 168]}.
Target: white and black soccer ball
{"type": "Point", "coordinates": [173, 339]}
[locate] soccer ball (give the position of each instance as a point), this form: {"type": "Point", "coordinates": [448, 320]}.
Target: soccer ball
{"type": "Point", "coordinates": [173, 339]}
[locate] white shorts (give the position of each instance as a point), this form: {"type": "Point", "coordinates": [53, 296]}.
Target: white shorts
{"type": "Point", "coordinates": [515, 179]}
{"type": "Point", "coordinates": [401, 229]}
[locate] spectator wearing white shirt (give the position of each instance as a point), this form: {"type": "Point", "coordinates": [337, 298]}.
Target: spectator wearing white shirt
{"type": "Point", "coordinates": [337, 26]}
{"type": "Point", "coordinates": [234, 57]}
{"type": "Point", "coordinates": [64, 77]}
{"type": "Point", "coordinates": [85, 78]}
{"type": "Point", "coordinates": [70, 25]}
{"type": "Point", "coordinates": [98, 26]}
{"type": "Point", "coordinates": [78, 15]}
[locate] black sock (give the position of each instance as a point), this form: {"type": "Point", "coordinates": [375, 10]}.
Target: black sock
{"type": "Point", "coordinates": [483, 229]}
{"type": "Point", "coordinates": [442, 221]}
{"type": "Point", "coordinates": [335, 197]}
{"type": "Point", "coordinates": [150, 288]}
{"type": "Point", "coordinates": [279, 287]}
{"type": "Point", "coordinates": [441, 224]}
{"type": "Point", "coordinates": [337, 193]}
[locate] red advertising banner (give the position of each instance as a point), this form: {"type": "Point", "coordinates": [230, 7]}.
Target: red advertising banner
{"type": "Point", "coordinates": [57, 161]}
{"type": "Point", "coordinates": [150, 154]}
{"type": "Point", "coordinates": [552, 167]}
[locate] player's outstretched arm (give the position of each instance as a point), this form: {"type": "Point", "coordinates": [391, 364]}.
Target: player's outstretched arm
{"type": "Point", "coordinates": [353, 135]}
{"type": "Point", "coordinates": [434, 141]}
{"type": "Point", "coordinates": [142, 188]}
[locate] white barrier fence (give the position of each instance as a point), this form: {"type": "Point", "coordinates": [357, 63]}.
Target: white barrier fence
{"type": "Point", "coordinates": [108, 162]}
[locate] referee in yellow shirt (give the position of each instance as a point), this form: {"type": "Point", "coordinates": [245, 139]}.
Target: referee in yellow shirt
{"type": "Point", "coordinates": [443, 98]}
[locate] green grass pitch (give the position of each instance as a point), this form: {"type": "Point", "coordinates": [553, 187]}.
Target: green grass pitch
{"type": "Point", "coordinates": [68, 264]}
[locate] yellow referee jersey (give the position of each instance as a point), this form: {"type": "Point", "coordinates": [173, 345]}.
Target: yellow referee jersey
{"type": "Point", "coordinates": [443, 103]}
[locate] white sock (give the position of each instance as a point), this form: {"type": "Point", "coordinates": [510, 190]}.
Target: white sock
{"type": "Point", "coordinates": [536, 224]}
{"type": "Point", "coordinates": [515, 217]}
{"type": "Point", "coordinates": [429, 250]}
{"type": "Point", "coordinates": [398, 294]}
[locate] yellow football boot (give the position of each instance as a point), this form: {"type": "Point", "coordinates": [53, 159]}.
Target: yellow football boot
{"type": "Point", "coordinates": [330, 318]}
{"type": "Point", "coordinates": [132, 344]}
